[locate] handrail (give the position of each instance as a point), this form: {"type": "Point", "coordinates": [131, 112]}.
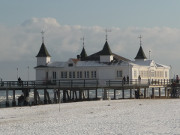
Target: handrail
{"type": "Point", "coordinates": [84, 83]}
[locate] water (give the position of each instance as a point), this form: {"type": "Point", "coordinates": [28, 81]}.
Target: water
{"type": "Point", "coordinates": [92, 94]}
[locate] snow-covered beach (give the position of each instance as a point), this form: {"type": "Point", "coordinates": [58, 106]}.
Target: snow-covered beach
{"type": "Point", "coordinates": [127, 117]}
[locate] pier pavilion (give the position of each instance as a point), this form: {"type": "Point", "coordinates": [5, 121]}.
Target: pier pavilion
{"type": "Point", "coordinates": [103, 71]}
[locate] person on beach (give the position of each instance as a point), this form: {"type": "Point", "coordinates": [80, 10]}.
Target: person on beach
{"type": "Point", "coordinates": [139, 79]}
{"type": "Point", "coordinates": [177, 79]}
{"type": "Point", "coordinates": [127, 79]}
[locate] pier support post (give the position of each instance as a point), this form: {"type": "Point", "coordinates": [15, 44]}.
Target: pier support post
{"type": "Point", "coordinates": [96, 94]}
{"type": "Point", "coordinates": [105, 94]}
{"type": "Point", "coordinates": [165, 91]}
{"type": "Point", "coordinates": [144, 92]}
{"type": "Point", "coordinates": [114, 93]}
{"type": "Point", "coordinates": [45, 97]}
{"type": "Point", "coordinates": [7, 98]}
{"type": "Point", "coordinates": [14, 100]}
{"type": "Point", "coordinates": [80, 94]}
{"type": "Point", "coordinates": [88, 94]}
{"type": "Point", "coordinates": [159, 92]}
{"type": "Point", "coordinates": [58, 95]}
{"type": "Point", "coordinates": [55, 96]}
{"type": "Point", "coordinates": [130, 93]}
{"type": "Point", "coordinates": [153, 96]}
{"type": "Point", "coordinates": [35, 96]}
{"type": "Point", "coordinates": [123, 93]}
{"type": "Point", "coordinates": [64, 95]}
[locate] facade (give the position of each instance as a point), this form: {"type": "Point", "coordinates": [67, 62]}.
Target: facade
{"type": "Point", "coordinates": [103, 66]}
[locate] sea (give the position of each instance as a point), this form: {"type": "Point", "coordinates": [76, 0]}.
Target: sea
{"type": "Point", "coordinates": [110, 94]}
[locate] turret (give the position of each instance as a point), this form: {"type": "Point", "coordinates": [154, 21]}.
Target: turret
{"type": "Point", "coordinates": [140, 55]}
{"type": "Point", "coordinates": [106, 54]}
{"type": "Point", "coordinates": [43, 56]}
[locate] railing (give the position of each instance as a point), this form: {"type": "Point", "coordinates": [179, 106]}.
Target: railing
{"type": "Point", "coordinates": [58, 83]}
{"type": "Point", "coordinates": [85, 83]}
{"type": "Point", "coordinates": [152, 82]}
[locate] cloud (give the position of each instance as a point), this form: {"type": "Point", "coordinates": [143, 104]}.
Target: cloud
{"type": "Point", "coordinates": [20, 44]}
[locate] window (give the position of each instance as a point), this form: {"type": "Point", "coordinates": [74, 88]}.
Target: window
{"type": "Point", "coordinates": [93, 74]}
{"type": "Point", "coordinates": [135, 73]}
{"type": "Point", "coordinates": [77, 74]}
{"type": "Point", "coordinates": [70, 65]}
{"type": "Point", "coordinates": [152, 74]}
{"type": "Point", "coordinates": [84, 74]}
{"type": "Point", "coordinates": [70, 74]}
{"type": "Point", "coordinates": [74, 75]}
{"type": "Point", "coordinates": [47, 76]}
{"type": "Point", "coordinates": [54, 75]}
{"type": "Point", "coordinates": [80, 74]}
{"type": "Point", "coordinates": [87, 74]}
{"type": "Point", "coordinates": [119, 73]}
{"type": "Point", "coordinates": [65, 74]}
{"type": "Point", "coordinates": [62, 74]}
{"type": "Point", "coordinates": [166, 74]}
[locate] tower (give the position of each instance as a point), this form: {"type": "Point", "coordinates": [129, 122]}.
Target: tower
{"type": "Point", "coordinates": [140, 55]}
{"type": "Point", "coordinates": [106, 54]}
{"type": "Point", "coordinates": [43, 56]}
{"type": "Point", "coordinates": [83, 54]}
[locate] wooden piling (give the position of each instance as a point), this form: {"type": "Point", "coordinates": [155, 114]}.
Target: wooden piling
{"type": "Point", "coordinates": [64, 95]}
{"type": "Point", "coordinates": [7, 98]}
{"type": "Point", "coordinates": [144, 92]}
{"type": "Point", "coordinates": [114, 93]}
{"type": "Point", "coordinates": [55, 96]}
{"type": "Point", "coordinates": [153, 96]}
{"type": "Point", "coordinates": [165, 91]}
{"type": "Point", "coordinates": [96, 94]}
{"type": "Point", "coordinates": [130, 93]}
{"type": "Point", "coordinates": [159, 92]}
{"type": "Point", "coordinates": [105, 94]}
{"type": "Point", "coordinates": [14, 100]}
{"type": "Point", "coordinates": [123, 93]}
{"type": "Point", "coordinates": [45, 97]}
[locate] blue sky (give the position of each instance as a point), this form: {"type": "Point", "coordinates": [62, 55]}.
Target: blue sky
{"type": "Point", "coordinates": [66, 21]}
{"type": "Point", "coordinates": [106, 13]}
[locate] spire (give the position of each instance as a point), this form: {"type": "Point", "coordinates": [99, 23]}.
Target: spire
{"type": "Point", "coordinates": [140, 37]}
{"type": "Point", "coordinates": [82, 40]}
{"type": "Point", "coordinates": [106, 49]}
{"type": "Point", "coordinates": [43, 51]}
{"type": "Point", "coordinates": [83, 54]}
{"type": "Point", "coordinates": [42, 32]}
{"type": "Point", "coordinates": [107, 33]}
{"type": "Point", "coordinates": [140, 54]}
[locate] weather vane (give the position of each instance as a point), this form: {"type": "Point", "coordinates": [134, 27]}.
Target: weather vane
{"type": "Point", "coordinates": [107, 33]}
{"type": "Point", "coordinates": [140, 37]}
{"type": "Point", "coordinates": [42, 32]}
{"type": "Point", "coordinates": [82, 40]}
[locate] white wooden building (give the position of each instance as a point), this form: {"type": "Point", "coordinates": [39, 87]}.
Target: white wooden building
{"type": "Point", "coordinates": [103, 65]}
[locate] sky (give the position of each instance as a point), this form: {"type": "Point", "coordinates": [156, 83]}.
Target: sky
{"type": "Point", "coordinates": [65, 22]}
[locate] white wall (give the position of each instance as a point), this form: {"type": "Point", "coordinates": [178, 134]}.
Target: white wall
{"type": "Point", "coordinates": [40, 74]}
{"type": "Point", "coordinates": [43, 60]}
{"type": "Point", "coordinates": [106, 58]}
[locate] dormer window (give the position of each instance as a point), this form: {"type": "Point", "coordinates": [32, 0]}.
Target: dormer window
{"type": "Point", "coordinates": [70, 65]}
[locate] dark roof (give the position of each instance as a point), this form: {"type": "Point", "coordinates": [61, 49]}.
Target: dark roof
{"type": "Point", "coordinates": [96, 57]}
{"type": "Point", "coordinates": [140, 54]}
{"type": "Point", "coordinates": [43, 52]}
{"type": "Point", "coordinates": [41, 66]}
{"type": "Point", "coordinates": [106, 49]}
{"type": "Point", "coordinates": [83, 54]}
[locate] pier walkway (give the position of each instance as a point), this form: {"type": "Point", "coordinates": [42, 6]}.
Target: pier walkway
{"type": "Point", "coordinates": [75, 90]}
